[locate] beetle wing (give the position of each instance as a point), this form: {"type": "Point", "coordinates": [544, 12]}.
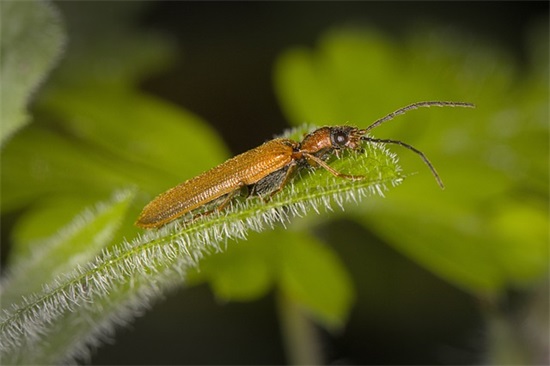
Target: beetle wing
{"type": "Point", "coordinates": [244, 169]}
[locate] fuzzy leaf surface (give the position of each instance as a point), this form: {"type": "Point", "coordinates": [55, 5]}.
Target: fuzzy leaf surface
{"type": "Point", "coordinates": [129, 276]}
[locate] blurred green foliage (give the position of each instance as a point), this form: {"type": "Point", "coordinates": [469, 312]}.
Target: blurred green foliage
{"type": "Point", "coordinates": [76, 244]}
{"type": "Point", "coordinates": [96, 132]}
{"type": "Point", "coordinates": [307, 271]}
{"type": "Point", "coordinates": [32, 40]}
{"type": "Point", "coordinates": [489, 229]}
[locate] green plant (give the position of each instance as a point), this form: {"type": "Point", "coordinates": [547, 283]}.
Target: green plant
{"type": "Point", "coordinates": [96, 135]}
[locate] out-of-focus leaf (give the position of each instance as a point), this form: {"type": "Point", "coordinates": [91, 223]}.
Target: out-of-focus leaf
{"type": "Point", "coordinates": [74, 245]}
{"type": "Point", "coordinates": [39, 163]}
{"type": "Point", "coordinates": [32, 40]}
{"type": "Point", "coordinates": [41, 167]}
{"type": "Point", "coordinates": [243, 272]}
{"type": "Point", "coordinates": [44, 220]}
{"type": "Point", "coordinates": [313, 276]}
{"type": "Point", "coordinates": [306, 271]}
{"type": "Point", "coordinates": [109, 49]}
{"type": "Point", "coordinates": [139, 130]}
{"type": "Point", "coordinates": [522, 246]}
{"type": "Point", "coordinates": [95, 132]}
{"type": "Point", "coordinates": [485, 156]}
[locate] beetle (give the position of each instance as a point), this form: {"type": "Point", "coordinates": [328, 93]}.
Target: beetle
{"type": "Point", "coordinates": [266, 169]}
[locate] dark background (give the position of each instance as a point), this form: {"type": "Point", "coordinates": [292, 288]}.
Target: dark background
{"type": "Point", "coordinates": [225, 76]}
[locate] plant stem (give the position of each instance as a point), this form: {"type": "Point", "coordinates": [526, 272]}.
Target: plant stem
{"type": "Point", "coordinates": [299, 335]}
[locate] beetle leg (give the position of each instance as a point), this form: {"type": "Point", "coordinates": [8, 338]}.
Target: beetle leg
{"type": "Point", "coordinates": [289, 173]}
{"type": "Point", "coordinates": [230, 196]}
{"type": "Point", "coordinates": [332, 170]}
{"type": "Point", "coordinates": [243, 189]}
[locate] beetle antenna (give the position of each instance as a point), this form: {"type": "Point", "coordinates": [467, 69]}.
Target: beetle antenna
{"type": "Point", "coordinates": [404, 110]}
{"type": "Point", "coordinates": [405, 145]}
{"type": "Point", "coordinates": [416, 106]}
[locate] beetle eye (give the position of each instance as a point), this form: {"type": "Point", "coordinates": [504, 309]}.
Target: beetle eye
{"type": "Point", "coordinates": [340, 138]}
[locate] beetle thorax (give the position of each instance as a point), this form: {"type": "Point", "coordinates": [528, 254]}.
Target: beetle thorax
{"type": "Point", "coordinates": [317, 142]}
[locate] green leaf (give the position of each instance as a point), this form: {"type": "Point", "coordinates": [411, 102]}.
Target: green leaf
{"type": "Point", "coordinates": [126, 277]}
{"type": "Point", "coordinates": [144, 132]}
{"type": "Point", "coordinates": [312, 276]}
{"type": "Point", "coordinates": [524, 222]}
{"type": "Point", "coordinates": [134, 53]}
{"type": "Point", "coordinates": [74, 245]}
{"type": "Point", "coordinates": [32, 40]}
{"type": "Point", "coordinates": [485, 156]}
{"type": "Point", "coordinates": [242, 272]}
{"type": "Point", "coordinates": [132, 139]}
{"type": "Point", "coordinates": [44, 220]}
{"type": "Point", "coordinates": [306, 271]}
{"type": "Point", "coordinates": [39, 163]}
